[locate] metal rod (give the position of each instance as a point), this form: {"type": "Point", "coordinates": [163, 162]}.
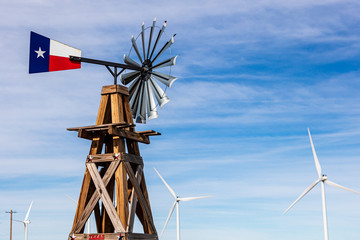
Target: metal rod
{"type": "Point", "coordinates": [108, 68]}
{"type": "Point", "coordinates": [115, 76]}
{"type": "Point", "coordinates": [105, 63]}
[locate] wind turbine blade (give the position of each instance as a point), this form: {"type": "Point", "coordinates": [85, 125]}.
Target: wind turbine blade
{"type": "Point", "coordinates": [317, 163]}
{"type": "Point", "coordinates": [71, 199]}
{"type": "Point", "coordinates": [341, 187]}
{"type": "Point", "coordinates": [143, 37]}
{"type": "Point", "coordinates": [151, 33]}
{"type": "Point", "coordinates": [302, 195]}
{"type": "Point", "coordinates": [193, 198]}
{"type": "Point", "coordinates": [163, 49]}
{"type": "Point", "coordinates": [28, 212]}
{"type": "Point", "coordinates": [161, 31]}
{"type": "Point", "coordinates": [151, 106]}
{"type": "Point", "coordinates": [160, 95]}
{"type": "Point", "coordinates": [166, 79]}
{"type": "Point", "coordinates": [18, 221]}
{"type": "Point", "coordinates": [135, 47]}
{"type": "Point", "coordinates": [130, 61]}
{"type": "Point", "coordinates": [168, 218]}
{"type": "Point", "coordinates": [128, 77]}
{"type": "Point", "coordinates": [168, 187]}
{"type": "Point", "coordinates": [166, 63]}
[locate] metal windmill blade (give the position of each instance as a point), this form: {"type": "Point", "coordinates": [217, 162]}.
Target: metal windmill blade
{"type": "Point", "coordinates": [144, 87]}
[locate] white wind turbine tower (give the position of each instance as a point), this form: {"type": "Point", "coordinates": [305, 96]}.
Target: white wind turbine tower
{"type": "Point", "coordinates": [322, 179]}
{"type": "Point", "coordinates": [176, 203]}
{"type": "Point", "coordinates": [26, 221]}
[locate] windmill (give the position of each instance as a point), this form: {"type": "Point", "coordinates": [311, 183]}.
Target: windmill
{"type": "Point", "coordinates": [322, 178]}
{"type": "Point", "coordinates": [176, 203]}
{"type": "Point", "coordinates": [26, 221]}
{"type": "Point", "coordinates": [114, 187]}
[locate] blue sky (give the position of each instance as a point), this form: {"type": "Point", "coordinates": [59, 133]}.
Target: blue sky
{"type": "Point", "coordinates": [253, 76]}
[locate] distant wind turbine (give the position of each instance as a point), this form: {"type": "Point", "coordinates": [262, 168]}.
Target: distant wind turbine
{"type": "Point", "coordinates": [26, 221]}
{"type": "Point", "coordinates": [322, 179]}
{"type": "Point", "coordinates": [176, 203]}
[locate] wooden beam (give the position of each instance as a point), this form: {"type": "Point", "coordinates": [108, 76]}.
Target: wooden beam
{"type": "Point", "coordinates": [134, 200]}
{"type": "Point", "coordinates": [107, 201]}
{"type": "Point", "coordinates": [82, 200]}
{"type": "Point", "coordinates": [142, 236]}
{"type": "Point", "coordinates": [112, 129]}
{"type": "Point", "coordinates": [149, 133]}
{"type": "Point", "coordinates": [102, 110]}
{"type": "Point", "coordinates": [102, 126]}
{"type": "Point", "coordinates": [114, 236]}
{"type": "Point", "coordinates": [109, 157]}
{"type": "Point", "coordinates": [114, 89]}
{"type": "Point", "coordinates": [140, 196]}
{"type": "Point", "coordinates": [129, 134]}
{"type": "Point", "coordinates": [122, 201]}
{"type": "Point", "coordinates": [94, 198]}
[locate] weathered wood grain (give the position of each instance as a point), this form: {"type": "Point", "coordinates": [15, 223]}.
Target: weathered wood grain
{"type": "Point", "coordinates": [107, 201]}
{"type": "Point", "coordinates": [94, 198]}
{"type": "Point", "coordinates": [134, 200]}
{"type": "Point", "coordinates": [114, 89]}
{"type": "Point", "coordinates": [140, 196]}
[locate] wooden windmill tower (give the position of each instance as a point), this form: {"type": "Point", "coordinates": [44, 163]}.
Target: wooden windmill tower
{"type": "Point", "coordinates": [114, 173]}
{"type": "Point", "coordinates": [114, 186]}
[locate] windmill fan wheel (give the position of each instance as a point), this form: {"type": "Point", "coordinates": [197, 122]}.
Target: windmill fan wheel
{"type": "Point", "coordinates": [144, 86]}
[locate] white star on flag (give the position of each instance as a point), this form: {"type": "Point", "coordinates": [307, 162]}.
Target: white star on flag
{"type": "Point", "coordinates": [40, 53]}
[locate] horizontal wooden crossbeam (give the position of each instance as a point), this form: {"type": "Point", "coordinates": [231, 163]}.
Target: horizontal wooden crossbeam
{"type": "Point", "coordinates": [109, 157]}
{"type": "Point", "coordinates": [115, 129]}
{"type": "Point", "coordinates": [102, 126]}
{"type": "Point", "coordinates": [114, 236]}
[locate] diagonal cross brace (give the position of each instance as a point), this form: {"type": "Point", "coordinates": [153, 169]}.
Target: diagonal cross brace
{"type": "Point", "coordinates": [134, 200]}
{"type": "Point", "coordinates": [95, 197]}
{"type": "Point", "coordinates": [143, 203]}
{"type": "Point", "coordinates": [104, 195]}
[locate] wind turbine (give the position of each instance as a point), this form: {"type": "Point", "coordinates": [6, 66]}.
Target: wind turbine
{"type": "Point", "coordinates": [26, 221]}
{"type": "Point", "coordinates": [322, 179]}
{"type": "Point", "coordinates": [176, 203]}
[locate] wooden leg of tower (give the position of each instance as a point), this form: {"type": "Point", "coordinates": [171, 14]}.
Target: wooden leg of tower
{"type": "Point", "coordinates": [82, 198]}
{"type": "Point", "coordinates": [87, 188]}
{"type": "Point", "coordinates": [140, 195]}
{"type": "Point", "coordinates": [122, 194]}
{"type": "Point", "coordinates": [116, 108]}
{"type": "Point", "coordinates": [146, 196]}
{"type": "Point", "coordinates": [120, 174]}
{"type": "Point", "coordinates": [134, 200]}
{"type": "Point", "coordinates": [103, 110]}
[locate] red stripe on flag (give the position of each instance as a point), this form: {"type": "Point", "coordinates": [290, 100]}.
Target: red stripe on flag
{"type": "Point", "coordinates": [62, 63]}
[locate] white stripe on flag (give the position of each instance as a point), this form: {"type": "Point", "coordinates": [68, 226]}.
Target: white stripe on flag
{"type": "Point", "coordinates": [62, 50]}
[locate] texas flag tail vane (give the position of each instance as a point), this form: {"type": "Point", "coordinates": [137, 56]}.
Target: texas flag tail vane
{"type": "Point", "coordinates": [48, 55]}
